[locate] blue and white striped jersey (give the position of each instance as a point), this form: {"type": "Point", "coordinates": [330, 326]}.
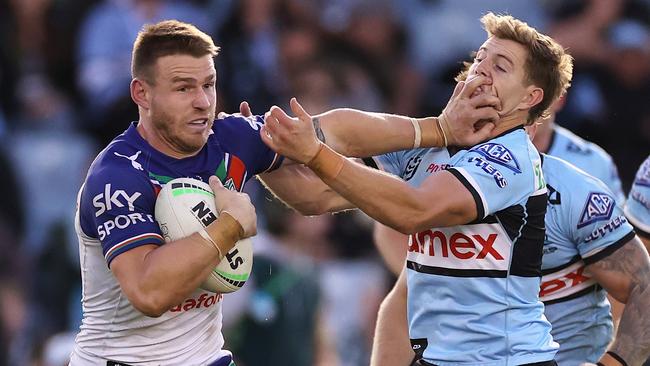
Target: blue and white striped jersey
{"type": "Point", "coordinates": [583, 225]}
{"type": "Point", "coordinates": [587, 156]}
{"type": "Point", "coordinates": [473, 289]}
{"type": "Point", "coordinates": [637, 207]}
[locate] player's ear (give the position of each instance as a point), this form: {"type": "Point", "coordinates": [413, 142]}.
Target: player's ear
{"type": "Point", "coordinates": [533, 97]}
{"type": "Point", "coordinates": [140, 93]}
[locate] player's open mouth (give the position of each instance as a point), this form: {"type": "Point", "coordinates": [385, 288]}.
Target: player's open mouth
{"type": "Point", "coordinates": [199, 122]}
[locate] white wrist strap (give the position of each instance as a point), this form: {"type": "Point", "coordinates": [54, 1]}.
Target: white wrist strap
{"type": "Point", "coordinates": [417, 140]}
{"type": "Point", "coordinates": [204, 234]}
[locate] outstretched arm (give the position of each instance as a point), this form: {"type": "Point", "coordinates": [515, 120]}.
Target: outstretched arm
{"type": "Point", "coordinates": [625, 274]}
{"type": "Point", "coordinates": [382, 196]}
{"type": "Point", "coordinates": [356, 133]}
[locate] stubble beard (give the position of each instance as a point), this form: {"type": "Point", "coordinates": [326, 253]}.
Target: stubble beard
{"type": "Point", "coordinates": [165, 124]}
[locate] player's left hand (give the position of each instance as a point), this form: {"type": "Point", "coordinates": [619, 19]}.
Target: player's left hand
{"type": "Point", "coordinates": [293, 137]}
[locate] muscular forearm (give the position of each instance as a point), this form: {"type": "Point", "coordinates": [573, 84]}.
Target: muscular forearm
{"type": "Point", "coordinates": [441, 200]}
{"type": "Point", "coordinates": [362, 134]}
{"type": "Point", "coordinates": [632, 341]}
{"type": "Point", "coordinates": [391, 344]}
{"type": "Point", "coordinates": [171, 272]}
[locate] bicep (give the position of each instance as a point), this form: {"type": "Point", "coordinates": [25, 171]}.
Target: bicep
{"type": "Point", "coordinates": [453, 201]}
{"type": "Point", "coordinates": [625, 268]}
{"type": "Point", "coordinates": [128, 268]}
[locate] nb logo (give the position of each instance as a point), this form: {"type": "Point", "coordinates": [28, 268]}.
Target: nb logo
{"type": "Point", "coordinates": [599, 206]}
{"type": "Point", "coordinates": [132, 158]}
{"type": "Point", "coordinates": [499, 154]}
{"type": "Point", "coordinates": [411, 167]}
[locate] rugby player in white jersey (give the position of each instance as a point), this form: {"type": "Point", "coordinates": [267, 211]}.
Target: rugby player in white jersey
{"type": "Point", "coordinates": [474, 261]}
{"type": "Point", "coordinates": [140, 296]}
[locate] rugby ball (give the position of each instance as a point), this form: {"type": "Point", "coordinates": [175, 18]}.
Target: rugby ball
{"type": "Point", "coordinates": [185, 206]}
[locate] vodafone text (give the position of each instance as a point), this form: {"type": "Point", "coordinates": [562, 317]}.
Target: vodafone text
{"type": "Point", "coordinates": [205, 300]}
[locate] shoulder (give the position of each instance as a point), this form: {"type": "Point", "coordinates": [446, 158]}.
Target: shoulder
{"type": "Point", "coordinates": [238, 124]}
{"type": "Point", "coordinates": [570, 143]}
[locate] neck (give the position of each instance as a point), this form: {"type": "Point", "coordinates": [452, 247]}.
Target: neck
{"type": "Point", "coordinates": [543, 135]}
{"type": "Point", "coordinates": [507, 123]}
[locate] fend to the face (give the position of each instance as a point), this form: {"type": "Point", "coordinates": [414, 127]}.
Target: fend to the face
{"type": "Point", "coordinates": [503, 62]}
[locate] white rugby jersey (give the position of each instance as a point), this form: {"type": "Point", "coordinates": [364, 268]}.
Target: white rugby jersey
{"type": "Point", "coordinates": [116, 213]}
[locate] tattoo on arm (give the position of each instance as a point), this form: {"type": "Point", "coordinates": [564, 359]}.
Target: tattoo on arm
{"type": "Point", "coordinates": [632, 340]}
{"type": "Point", "coordinates": [319, 131]}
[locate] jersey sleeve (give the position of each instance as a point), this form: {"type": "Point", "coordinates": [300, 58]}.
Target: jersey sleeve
{"type": "Point", "coordinates": [637, 206]}
{"type": "Point", "coordinates": [240, 136]}
{"type": "Point", "coordinates": [116, 207]}
{"type": "Point", "coordinates": [596, 222]}
{"type": "Point", "coordinates": [390, 163]}
{"type": "Point", "coordinates": [496, 177]}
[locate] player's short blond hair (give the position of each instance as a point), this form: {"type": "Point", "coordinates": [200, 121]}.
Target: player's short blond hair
{"type": "Point", "coordinates": [548, 66]}
{"type": "Point", "coordinates": [168, 37]}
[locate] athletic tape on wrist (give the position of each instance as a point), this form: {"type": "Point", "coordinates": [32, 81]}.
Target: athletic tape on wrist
{"type": "Point", "coordinates": [417, 140]}
{"type": "Point", "coordinates": [442, 118]}
{"type": "Point", "coordinates": [617, 357]}
{"type": "Point", "coordinates": [326, 163]}
{"type": "Point", "coordinates": [204, 234]}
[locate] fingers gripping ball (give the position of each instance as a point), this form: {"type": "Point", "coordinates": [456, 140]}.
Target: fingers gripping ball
{"type": "Point", "coordinates": [185, 206]}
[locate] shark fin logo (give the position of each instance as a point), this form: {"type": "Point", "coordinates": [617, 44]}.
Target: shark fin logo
{"type": "Point", "coordinates": [232, 172]}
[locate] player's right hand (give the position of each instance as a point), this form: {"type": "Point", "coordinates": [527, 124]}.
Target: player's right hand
{"type": "Point", "coordinates": [237, 204]}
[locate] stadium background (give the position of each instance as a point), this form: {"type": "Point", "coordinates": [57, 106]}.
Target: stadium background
{"type": "Point", "coordinates": [64, 74]}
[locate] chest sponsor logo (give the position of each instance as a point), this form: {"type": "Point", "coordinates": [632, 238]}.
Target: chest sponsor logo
{"type": "Point", "coordinates": [411, 167]}
{"type": "Point", "coordinates": [564, 282]}
{"type": "Point", "coordinates": [122, 222]}
{"type": "Point", "coordinates": [433, 167]}
{"type": "Point", "coordinates": [452, 249]}
{"type": "Point", "coordinates": [606, 229]}
{"type": "Point", "coordinates": [498, 154]}
{"type": "Point", "coordinates": [205, 300]}
{"type": "Point", "coordinates": [491, 170]}
{"type": "Point", "coordinates": [599, 207]}
{"type": "Point", "coordinates": [132, 158]}
{"type": "Point", "coordinates": [113, 198]}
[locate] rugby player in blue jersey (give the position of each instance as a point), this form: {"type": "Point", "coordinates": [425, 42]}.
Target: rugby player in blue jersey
{"type": "Point", "coordinates": [476, 222]}
{"type": "Point", "coordinates": [558, 141]}
{"type": "Point", "coordinates": [637, 207]}
{"type": "Point", "coordinates": [141, 300]}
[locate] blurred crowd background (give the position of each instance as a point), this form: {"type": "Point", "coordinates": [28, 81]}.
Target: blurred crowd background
{"type": "Point", "coordinates": [317, 282]}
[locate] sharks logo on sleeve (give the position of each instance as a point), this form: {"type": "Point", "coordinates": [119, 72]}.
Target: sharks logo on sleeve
{"type": "Point", "coordinates": [599, 207]}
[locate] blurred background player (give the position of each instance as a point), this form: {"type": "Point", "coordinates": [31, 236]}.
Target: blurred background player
{"type": "Point", "coordinates": [637, 207]}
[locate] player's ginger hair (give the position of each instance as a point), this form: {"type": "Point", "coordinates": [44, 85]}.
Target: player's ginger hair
{"type": "Point", "coordinates": [168, 37]}
{"type": "Point", "coordinates": [548, 66]}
